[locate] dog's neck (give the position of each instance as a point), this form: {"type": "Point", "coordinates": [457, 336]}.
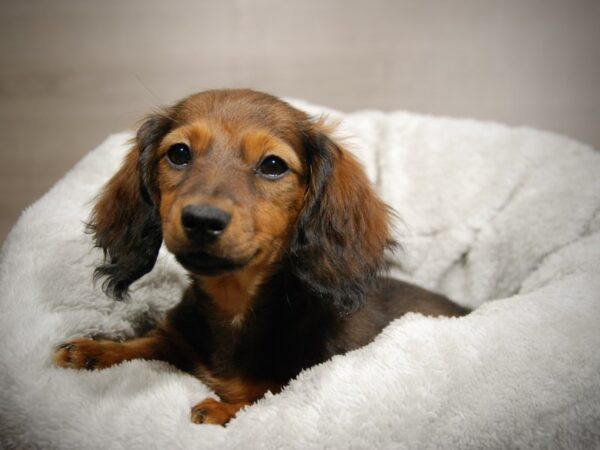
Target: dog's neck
{"type": "Point", "coordinates": [233, 294]}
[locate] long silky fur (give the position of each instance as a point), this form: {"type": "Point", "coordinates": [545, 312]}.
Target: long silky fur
{"type": "Point", "coordinates": [125, 222]}
{"type": "Point", "coordinates": [343, 230]}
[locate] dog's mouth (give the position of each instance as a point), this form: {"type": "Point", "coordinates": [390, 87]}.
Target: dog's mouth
{"type": "Point", "coordinates": [202, 263]}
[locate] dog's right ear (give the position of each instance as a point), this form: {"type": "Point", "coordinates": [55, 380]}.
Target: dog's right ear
{"type": "Point", "coordinates": [125, 221]}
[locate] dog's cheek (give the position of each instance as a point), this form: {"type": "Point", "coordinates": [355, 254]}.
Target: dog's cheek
{"type": "Point", "coordinates": [271, 220]}
{"type": "Point", "coordinates": [276, 214]}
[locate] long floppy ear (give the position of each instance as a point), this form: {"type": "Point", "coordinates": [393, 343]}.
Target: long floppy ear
{"type": "Point", "coordinates": [125, 221]}
{"type": "Point", "coordinates": [343, 229]}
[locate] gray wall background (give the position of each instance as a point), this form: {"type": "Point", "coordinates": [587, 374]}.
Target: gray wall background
{"type": "Point", "coordinates": [73, 71]}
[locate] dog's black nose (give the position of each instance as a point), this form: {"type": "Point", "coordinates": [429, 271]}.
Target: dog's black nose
{"type": "Point", "coordinates": [204, 224]}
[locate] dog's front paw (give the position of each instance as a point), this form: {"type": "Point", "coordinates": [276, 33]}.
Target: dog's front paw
{"type": "Point", "coordinates": [88, 354]}
{"type": "Point", "coordinates": [214, 412]}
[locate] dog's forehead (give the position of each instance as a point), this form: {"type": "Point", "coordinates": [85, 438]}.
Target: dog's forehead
{"type": "Point", "coordinates": [235, 112]}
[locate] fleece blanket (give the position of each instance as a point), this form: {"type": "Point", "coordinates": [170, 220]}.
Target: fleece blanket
{"type": "Point", "coordinates": [504, 220]}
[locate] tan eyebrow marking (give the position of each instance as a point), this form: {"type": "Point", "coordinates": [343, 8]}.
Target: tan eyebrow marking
{"type": "Point", "coordinates": [197, 135]}
{"type": "Point", "coordinates": [259, 143]}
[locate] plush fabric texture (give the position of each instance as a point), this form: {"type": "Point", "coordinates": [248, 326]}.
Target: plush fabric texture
{"type": "Point", "coordinates": [502, 219]}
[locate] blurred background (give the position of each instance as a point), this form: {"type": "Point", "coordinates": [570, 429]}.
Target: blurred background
{"type": "Point", "coordinates": [73, 71]}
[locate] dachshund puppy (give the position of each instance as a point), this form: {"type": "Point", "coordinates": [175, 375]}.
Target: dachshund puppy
{"type": "Point", "coordinates": [281, 233]}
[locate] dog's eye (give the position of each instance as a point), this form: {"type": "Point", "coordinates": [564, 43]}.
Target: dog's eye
{"type": "Point", "coordinates": [179, 155]}
{"type": "Point", "coordinates": [272, 167]}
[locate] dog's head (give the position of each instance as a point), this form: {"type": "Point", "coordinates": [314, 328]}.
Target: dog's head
{"type": "Point", "coordinates": [237, 181]}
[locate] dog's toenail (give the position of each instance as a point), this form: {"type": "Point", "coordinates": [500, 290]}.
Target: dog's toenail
{"type": "Point", "coordinates": [199, 416]}
{"type": "Point", "coordinates": [91, 363]}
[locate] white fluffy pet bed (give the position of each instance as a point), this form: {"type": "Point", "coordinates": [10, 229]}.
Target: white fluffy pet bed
{"type": "Point", "coordinates": [506, 220]}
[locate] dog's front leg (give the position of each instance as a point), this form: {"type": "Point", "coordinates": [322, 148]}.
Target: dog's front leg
{"type": "Point", "coordinates": [85, 353]}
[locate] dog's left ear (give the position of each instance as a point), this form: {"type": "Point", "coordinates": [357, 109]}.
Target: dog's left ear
{"type": "Point", "coordinates": [344, 227]}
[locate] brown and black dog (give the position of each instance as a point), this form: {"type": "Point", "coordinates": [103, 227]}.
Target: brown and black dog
{"type": "Point", "coordinates": [280, 231]}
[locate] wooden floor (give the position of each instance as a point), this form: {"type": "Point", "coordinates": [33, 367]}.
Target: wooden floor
{"type": "Point", "coordinates": [73, 71]}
